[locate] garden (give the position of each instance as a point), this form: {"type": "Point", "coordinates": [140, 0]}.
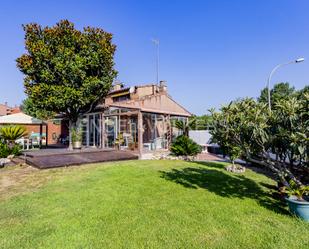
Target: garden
{"type": "Point", "coordinates": [156, 203]}
{"type": "Point", "coordinates": [144, 204]}
{"type": "Point", "coordinates": [272, 137]}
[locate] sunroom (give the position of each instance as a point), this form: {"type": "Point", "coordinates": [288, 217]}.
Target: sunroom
{"type": "Point", "coordinates": [138, 118]}
{"type": "Point", "coordinates": [130, 129]}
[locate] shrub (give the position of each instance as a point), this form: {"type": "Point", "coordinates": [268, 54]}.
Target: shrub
{"type": "Point", "coordinates": [15, 150]}
{"type": "Point", "coordinates": [184, 146]}
{"type": "Point", "coordinates": [6, 150]}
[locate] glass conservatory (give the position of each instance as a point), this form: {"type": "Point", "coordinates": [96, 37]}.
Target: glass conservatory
{"type": "Point", "coordinates": [128, 128]}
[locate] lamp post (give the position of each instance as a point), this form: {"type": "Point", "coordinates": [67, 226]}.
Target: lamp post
{"type": "Point", "coordinates": [274, 70]}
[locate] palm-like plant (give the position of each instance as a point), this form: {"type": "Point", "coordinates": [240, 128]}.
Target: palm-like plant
{"type": "Point", "coordinates": [184, 146]}
{"type": "Point", "coordinates": [12, 133]}
{"type": "Point", "coordinates": [298, 191]}
{"type": "Point", "coordinates": [184, 126]}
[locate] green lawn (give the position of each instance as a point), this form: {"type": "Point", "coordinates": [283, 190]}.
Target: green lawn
{"type": "Point", "coordinates": [144, 204]}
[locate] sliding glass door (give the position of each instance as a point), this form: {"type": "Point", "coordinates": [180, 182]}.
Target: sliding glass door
{"type": "Point", "coordinates": [111, 127]}
{"type": "Point", "coordinates": [123, 127]}
{"type": "Point", "coordinates": [91, 127]}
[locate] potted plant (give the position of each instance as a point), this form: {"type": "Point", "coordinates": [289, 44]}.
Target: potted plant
{"type": "Point", "coordinates": [76, 138]}
{"type": "Point", "coordinates": [297, 200]}
{"type": "Point", "coordinates": [119, 141]}
{"type": "Point", "coordinates": [131, 145]}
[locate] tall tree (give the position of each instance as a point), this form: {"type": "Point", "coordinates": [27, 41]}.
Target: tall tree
{"type": "Point", "coordinates": [67, 71]}
{"type": "Point", "coordinates": [28, 106]}
{"type": "Point", "coordinates": [277, 140]}
{"type": "Point", "coordinates": [280, 91]}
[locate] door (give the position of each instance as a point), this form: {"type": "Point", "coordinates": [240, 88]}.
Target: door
{"type": "Point", "coordinates": [110, 131]}
{"type": "Point", "coordinates": [95, 130]}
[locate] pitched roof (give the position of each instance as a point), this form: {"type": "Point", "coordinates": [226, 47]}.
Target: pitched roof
{"type": "Point", "coordinates": [159, 103]}
{"type": "Point", "coordinates": [20, 118]}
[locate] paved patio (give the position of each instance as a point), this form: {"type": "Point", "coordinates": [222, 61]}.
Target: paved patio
{"type": "Point", "coordinates": [209, 157]}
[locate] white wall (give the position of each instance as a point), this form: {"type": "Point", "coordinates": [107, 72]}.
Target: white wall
{"type": "Point", "coordinates": [201, 137]}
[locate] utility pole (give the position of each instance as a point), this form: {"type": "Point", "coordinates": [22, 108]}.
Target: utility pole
{"type": "Point", "coordinates": [157, 43]}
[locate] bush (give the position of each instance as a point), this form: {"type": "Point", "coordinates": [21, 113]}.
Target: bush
{"type": "Point", "coordinates": [5, 150]}
{"type": "Point", "coordinates": [184, 146]}
{"type": "Point", "coordinates": [15, 150]}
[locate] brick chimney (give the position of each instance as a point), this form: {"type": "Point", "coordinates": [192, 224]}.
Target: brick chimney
{"type": "Point", "coordinates": [117, 86]}
{"type": "Point", "coordinates": [163, 86]}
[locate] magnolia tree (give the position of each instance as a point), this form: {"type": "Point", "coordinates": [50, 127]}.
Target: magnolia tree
{"type": "Point", "coordinates": [67, 71]}
{"type": "Point", "coordinates": [277, 139]}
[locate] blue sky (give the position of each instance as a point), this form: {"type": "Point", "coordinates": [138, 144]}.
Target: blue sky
{"type": "Point", "coordinates": [211, 52]}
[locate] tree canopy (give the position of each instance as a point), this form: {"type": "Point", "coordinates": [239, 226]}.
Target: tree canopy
{"type": "Point", "coordinates": [28, 106]}
{"type": "Point", "coordinates": [202, 122]}
{"type": "Point", "coordinates": [279, 91]}
{"type": "Point", "coordinates": [66, 70]}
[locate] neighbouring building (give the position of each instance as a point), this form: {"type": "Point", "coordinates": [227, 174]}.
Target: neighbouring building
{"type": "Point", "coordinates": [135, 118]}
{"type": "Point", "coordinates": [7, 110]}
{"type": "Point", "coordinates": [54, 132]}
{"type": "Point", "coordinates": [49, 132]}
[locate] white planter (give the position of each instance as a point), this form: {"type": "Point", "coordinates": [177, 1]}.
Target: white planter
{"type": "Point", "coordinates": [77, 145]}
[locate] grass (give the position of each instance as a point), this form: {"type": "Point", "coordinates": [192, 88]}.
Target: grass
{"type": "Point", "coordinates": [144, 204]}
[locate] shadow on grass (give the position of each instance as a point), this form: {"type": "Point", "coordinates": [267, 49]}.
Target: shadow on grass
{"type": "Point", "coordinates": [224, 184]}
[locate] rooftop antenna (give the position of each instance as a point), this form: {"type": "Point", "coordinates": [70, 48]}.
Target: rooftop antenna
{"type": "Point", "coordinates": [157, 43]}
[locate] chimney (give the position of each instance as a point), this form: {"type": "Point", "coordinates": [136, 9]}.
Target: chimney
{"type": "Point", "coordinates": [117, 86]}
{"type": "Point", "coordinates": [163, 86]}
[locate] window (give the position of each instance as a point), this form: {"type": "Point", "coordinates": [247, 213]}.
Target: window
{"type": "Point", "coordinates": [121, 98]}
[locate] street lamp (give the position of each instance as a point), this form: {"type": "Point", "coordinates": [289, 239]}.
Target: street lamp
{"type": "Point", "coordinates": [274, 70]}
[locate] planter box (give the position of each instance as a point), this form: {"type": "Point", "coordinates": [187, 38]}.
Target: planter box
{"type": "Point", "coordinates": [299, 208]}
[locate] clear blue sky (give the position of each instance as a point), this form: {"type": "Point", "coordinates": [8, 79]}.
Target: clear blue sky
{"type": "Point", "coordinates": [211, 51]}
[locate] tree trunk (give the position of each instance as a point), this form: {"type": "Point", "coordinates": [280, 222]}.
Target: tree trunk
{"type": "Point", "coordinates": [233, 165]}
{"type": "Point", "coordinates": [72, 125]}
{"type": "Point", "coordinates": [280, 171]}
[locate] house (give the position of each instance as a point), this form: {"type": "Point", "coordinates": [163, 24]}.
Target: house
{"type": "Point", "coordinates": [3, 109]}
{"type": "Point", "coordinates": [52, 130]}
{"type": "Point", "coordinates": [6, 110]}
{"type": "Point", "coordinates": [135, 118]}
{"type": "Point", "coordinates": [29, 123]}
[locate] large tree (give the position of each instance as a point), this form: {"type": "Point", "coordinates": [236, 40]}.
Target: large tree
{"type": "Point", "coordinates": [28, 106]}
{"type": "Point", "coordinates": [66, 70]}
